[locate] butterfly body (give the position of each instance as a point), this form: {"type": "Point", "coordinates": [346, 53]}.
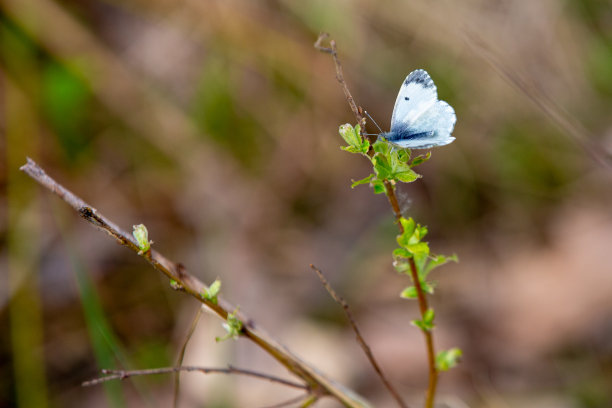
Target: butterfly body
{"type": "Point", "coordinates": [420, 120]}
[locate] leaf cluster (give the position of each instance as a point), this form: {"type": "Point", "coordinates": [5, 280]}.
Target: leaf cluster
{"type": "Point", "coordinates": [390, 163]}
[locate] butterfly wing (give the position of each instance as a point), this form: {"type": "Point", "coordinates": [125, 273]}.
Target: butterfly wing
{"type": "Point", "coordinates": [419, 119]}
{"type": "Point", "coordinates": [417, 94]}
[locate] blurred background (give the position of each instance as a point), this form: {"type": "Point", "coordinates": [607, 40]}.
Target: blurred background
{"type": "Point", "coordinates": [215, 123]}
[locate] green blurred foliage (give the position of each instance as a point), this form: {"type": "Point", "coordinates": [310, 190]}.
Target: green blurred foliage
{"type": "Point", "coordinates": [218, 116]}
{"type": "Point", "coordinates": [66, 105]}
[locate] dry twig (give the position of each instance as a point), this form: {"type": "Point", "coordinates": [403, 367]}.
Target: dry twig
{"type": "Point", "coordinates": [111, 375]}
{"type": "Point", "coordinates": [179, 362]}
{"type": "Point", "coordinates": [362, 343]}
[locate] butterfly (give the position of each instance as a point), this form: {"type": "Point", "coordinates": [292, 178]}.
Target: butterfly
{"type": "Point", "coordinates": [419, 119]}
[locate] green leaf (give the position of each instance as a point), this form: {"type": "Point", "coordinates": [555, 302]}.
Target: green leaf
{"type": "Point", "coordinates": [436, 261]}
{"type": "Point", "coordinates": [408, 227]}
{"type": "Point", "coordinates": [419, 234]}
{"type": "Point", "coordinates": [418, 249]}
{"type": "Point", "coordinates": [403, 155]}
{"type": "Point", "coordinates": [409, 293]}
{"type": "Point", "coordinates": [426, 324]}
{"type": "Point", "coordinates": [378, 186]}
{"type": "Point", "coordinates": [421, 325]}
{"type": "Point", "coordinates": [400, 266]}
{"type": "Point", "coordinates": [428, 287]}
{"type": "Point", "coordinates": [420, 159]}
{"type": "Point", "coordinates": [350, 135]}
{"type": "Point", "coordinates": [399, 253]}
{"type": "Point", "coordinates": [350, 149]}
{"type": "Point", "coordinates": [406, 176]}
{"type": "Point", "coordinates": [381, 147]}
{"type": "Point", "coordinates": [381, 166]}
{"type": "Point", "coordinates": [365, 146]}
{"type": "Point", "coordinates": [429, 316]}
{"type": "Point", "coordinates": [420, 261]}
{"type": "Point", "coordinates": [447, 359]}
{"type": "Point", "coordinates": [366, 180]}
{"type": "Point", "coordinates": [210, 293]}
{"type": "Point", "coordinates": [399, 169]}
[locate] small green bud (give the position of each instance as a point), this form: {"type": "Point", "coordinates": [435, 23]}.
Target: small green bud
{"type": "Point", "coordinates": [447, 359]}
{"type": "Point", "coordinates": [426, 324]}
{"type": "Point", "coordinates": [210, 293]}
{"type": "Point", "coordinates": [350, 135]}
{"type": "Point", "coordinates": [409, 293]}
{"type": "Point", "coordinates": [233, 326]}
{"type": "Point", "coordinates": [141, 235]}
{"type": "Point", "coordinates": [175, 285]}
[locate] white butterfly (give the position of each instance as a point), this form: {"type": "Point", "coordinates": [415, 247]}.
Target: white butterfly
{"type": "Point", "coordinates": [419, 119]}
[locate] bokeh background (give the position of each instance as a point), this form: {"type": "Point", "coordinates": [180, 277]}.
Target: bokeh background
{"type": "Point", "coordinates": [215, 124]}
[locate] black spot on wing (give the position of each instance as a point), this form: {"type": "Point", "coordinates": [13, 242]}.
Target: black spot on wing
{"type": "Point", "coordinates": [421, 77]}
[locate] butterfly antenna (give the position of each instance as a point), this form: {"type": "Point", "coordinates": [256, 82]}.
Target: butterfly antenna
{"type": "Point", "coordinates": [372, 119]}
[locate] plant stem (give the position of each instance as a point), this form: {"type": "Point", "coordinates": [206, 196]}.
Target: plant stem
{"type": "Point", "coordinates": [423, 305]}
{"type": "Point", "coordinates": [431, 353]}
{"type": "Point", "coordinates": [390, 193]}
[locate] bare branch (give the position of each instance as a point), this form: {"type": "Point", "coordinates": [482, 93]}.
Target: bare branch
{"type": "Point", "coordinates": [362, 343]}
{"type": "Point", "coordinates": [111, 375]}
{"type": "Point", "coordinates": [340, 77]}
{"type": "Point", "coordinates": [299, 399]}
{"type": "Point", "coordinates": [179, 362]}
{"type": "Point", "coordinates": [315, 380]}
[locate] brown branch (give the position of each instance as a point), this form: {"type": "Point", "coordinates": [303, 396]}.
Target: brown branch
{"type": "Point", "coordinates": [390, 192]}
{"type": "Point", "coordinates": [315, 381]}
{"type": "Point", "coordinates": [364, 346]}
{"type": "Point", "coordinates": [111, 375]}
{"type": "Point", "coordinates": [179, 362]}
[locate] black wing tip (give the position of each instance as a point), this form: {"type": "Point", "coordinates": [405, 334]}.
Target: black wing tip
{"type": "Point", "coordinates": [419, 76]}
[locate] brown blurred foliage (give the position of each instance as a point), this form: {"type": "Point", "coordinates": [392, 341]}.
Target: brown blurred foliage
{"type": "Point", "coordinates": [215, 124]}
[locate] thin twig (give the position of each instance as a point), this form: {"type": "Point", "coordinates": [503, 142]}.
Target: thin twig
{"type": "Point", "coordinates": [111, 375]}
{"type": "Point", "coordinates": [179, 362]}
{"type": "Point", "coordinates": [390, 192]}
{"type": "Point", "coordinates": [290, 401]}
{"type": "Point", "coordinates": [194, 287]}
{"type": "Point", "coordinates": [364, 346]}
{"type": "Point", "coordinates": [340, 77]}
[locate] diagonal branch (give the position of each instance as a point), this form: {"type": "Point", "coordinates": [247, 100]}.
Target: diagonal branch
{"type": "Point", "coordinates": [177, 375]}
{"type": "Point", "coordinates": [316, 381]}
{"type": "Point", "coordinates": [364, 346]}
{"type": "Point", "coordinates": [111, 375]}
